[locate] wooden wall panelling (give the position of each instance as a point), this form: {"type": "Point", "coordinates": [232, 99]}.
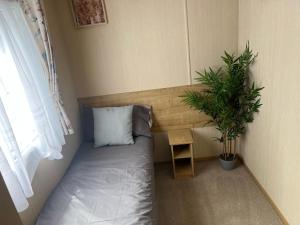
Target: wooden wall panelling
{"type": "Point", "coordinates": [169, 112]}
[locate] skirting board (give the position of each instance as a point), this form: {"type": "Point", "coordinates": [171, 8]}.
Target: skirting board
{"type": "Point", "coordinates": [277, 210]}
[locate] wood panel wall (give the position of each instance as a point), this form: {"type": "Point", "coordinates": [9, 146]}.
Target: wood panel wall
{"type": "Point", "coordinates": [169, 112]}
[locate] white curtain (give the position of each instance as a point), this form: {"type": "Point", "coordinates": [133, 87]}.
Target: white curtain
{"type": "Point", "coordinates": [30, 128]}
{"type": "Point", "coordinates": [34, 14]}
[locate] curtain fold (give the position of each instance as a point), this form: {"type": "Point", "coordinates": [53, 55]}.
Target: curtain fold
{"type": "Point", "coordinates": [12, 166]}
{"type": "Point", "coordinates": [30, 125]}
{"type": "Point", "coordinates": [35, 17]}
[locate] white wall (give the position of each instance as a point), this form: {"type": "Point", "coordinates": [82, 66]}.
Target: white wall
{"type": "Point", "coordinates": [270, 148]}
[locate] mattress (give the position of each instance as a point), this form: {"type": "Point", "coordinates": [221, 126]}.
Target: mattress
{"type": "Point", "coordinates": [105, 186]}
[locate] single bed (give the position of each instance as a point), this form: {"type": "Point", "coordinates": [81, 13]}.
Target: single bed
{"type": "Point", "coordinates": [111, 185]}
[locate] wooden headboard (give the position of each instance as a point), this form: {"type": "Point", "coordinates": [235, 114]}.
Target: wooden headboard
{"type": "Point", "coordinates": [169, 112]}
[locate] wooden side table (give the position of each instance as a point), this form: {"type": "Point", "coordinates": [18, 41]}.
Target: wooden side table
{"type": "Point", "coordinates": [181, 142]}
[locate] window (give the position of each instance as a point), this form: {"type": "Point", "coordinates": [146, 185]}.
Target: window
{"type": "Point", "coordinates": [15, 101]}
{"type": "Point", "coordinates": [30, 128]}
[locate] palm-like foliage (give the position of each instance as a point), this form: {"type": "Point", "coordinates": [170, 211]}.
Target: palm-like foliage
{"type": "Point", "coordinates": [230, 99]}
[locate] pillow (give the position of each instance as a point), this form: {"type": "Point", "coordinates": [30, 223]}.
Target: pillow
{"type": "Point", "coordinates": [87, 123]}
{"type": "Point", "coordinates": [142, 121]}
{"type": "Point", "coordinates": [113, 126]}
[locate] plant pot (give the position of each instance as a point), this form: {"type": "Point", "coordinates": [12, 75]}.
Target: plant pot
{"type": "Point", "coordinates": [229, 163]}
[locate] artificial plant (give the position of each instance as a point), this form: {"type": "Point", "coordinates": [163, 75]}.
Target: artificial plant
{"type": "Point", "coordinates": [229, 98]}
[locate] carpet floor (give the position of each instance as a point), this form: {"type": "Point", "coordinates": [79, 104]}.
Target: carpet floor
{"type": "Point", "coordinates": [212, 197]}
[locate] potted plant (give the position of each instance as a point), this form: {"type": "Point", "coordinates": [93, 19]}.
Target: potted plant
{"type": "Point", "coordinates": [230, 99]}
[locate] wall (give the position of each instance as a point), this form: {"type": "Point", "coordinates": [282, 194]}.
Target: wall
{"type": "Point", "coordinates": [148, 45]}
{"type": "Point", "coordinates": [212, 28]}
{"type": "Point", "coordinates": [270, 148]}
{"type": "Point", "coordinates": [8, 214]}
{"type": "Point", "coordinates": [50, 172]}
{"type": "Point", "coordinates": [142, 47]}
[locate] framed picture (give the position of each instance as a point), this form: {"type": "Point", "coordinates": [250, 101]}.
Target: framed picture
{"type": "Point", "coordinates": [88, 12]}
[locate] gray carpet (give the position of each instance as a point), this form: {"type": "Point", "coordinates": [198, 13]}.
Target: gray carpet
{"type": "Point", "coordinates": [212, 197]}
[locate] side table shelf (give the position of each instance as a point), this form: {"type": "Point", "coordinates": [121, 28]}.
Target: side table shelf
{"type": "Point", "coordinates": [181, 142]}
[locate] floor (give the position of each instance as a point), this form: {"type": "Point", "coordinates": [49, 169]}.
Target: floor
{"type": "Point", "coordinates": [212, 197]}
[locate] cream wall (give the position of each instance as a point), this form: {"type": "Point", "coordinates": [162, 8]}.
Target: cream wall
{"type": "Point", "coordinates": [271, 146]}
{"type": "Point", "coordinates": [142, 47]}
{"type": "Point", "coordinates": [213, 28]}
{"type": "Point", "coordinates": [50, 172]}
{"type": "Point", "coordinates": [148, 45]}
{"type": "Point", "coordinates": [8, 213]}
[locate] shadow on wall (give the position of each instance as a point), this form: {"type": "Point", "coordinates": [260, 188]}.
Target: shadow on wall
{"type": "Point", "coordinates": [162, 152]}
{"type": "Point", "coordinates": [204, 143]}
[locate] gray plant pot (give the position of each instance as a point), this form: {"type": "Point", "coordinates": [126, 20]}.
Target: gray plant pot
{"type": "Point", "coordinates": [228, 164]}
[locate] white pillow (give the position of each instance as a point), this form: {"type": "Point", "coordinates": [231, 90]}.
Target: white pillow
{"type": "Point", "coordinates": [113, 126]}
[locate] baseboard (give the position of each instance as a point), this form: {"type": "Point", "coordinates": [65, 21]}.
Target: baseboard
{"type": "Point", "coordinates": [270, 200]}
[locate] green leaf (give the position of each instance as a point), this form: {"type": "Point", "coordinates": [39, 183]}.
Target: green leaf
{"type": "Point", "coordinates": [229, 98]}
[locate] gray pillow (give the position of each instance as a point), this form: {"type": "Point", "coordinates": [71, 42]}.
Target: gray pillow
{"type": "Point", "coordinates": [113, 126]}
{"type": "Point", "coordinates": [142, 120]}
{"type": "Point", "coordinates": [87, 123]}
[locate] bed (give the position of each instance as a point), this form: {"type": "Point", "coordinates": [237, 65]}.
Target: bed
{"type": "Point", "coordinates": [110, 185]}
